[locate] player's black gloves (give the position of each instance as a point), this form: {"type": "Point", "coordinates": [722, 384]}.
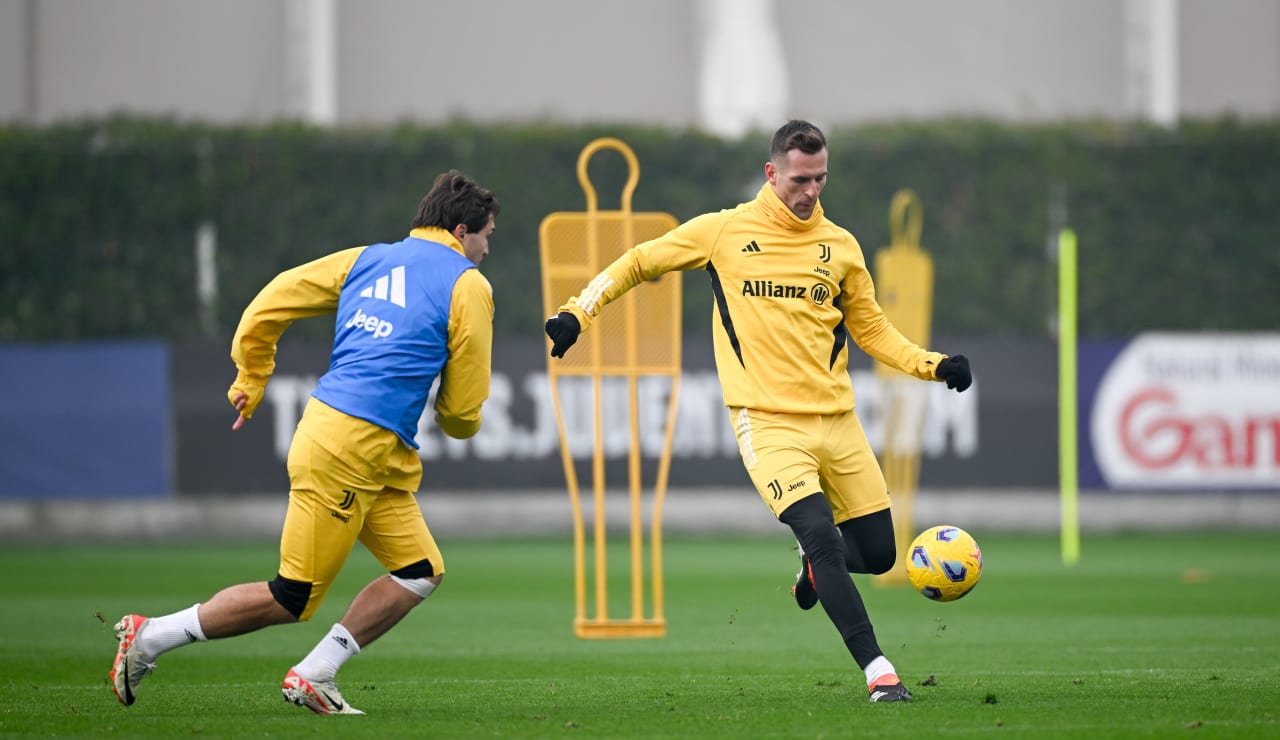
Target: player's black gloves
{"type": "Point", "coordinates": [563, 329]}
{"type": "Point", "coordinates": [954, 370]}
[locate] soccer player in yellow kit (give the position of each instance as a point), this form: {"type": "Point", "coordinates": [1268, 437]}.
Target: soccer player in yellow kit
{"type": "Point", "coordinates": [407, 313]}
{"type": "Point", "coordinates": [791, 288]}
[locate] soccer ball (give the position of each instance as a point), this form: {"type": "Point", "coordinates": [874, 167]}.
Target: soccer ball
{"type": "Point", "coordinates": [944, 563]}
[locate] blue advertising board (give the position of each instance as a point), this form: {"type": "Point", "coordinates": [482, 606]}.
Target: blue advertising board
{"type": "Point", "coordinates": [85, 420]}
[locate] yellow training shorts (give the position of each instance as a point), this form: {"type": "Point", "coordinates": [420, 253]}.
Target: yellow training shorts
{"type": "Point", "coordinates": [791, 456]}
{"type": "Point", "coordinates": [363, 491]}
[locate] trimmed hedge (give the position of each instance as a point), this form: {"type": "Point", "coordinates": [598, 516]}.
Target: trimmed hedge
{"type": "Point", "coordinates": [97, 219]}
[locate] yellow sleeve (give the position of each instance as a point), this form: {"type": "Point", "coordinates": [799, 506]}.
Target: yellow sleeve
{"type": "Point", "coordinates": [464, 380]}
{"type": "Point", "coordinates": [686, 247]}
{"type": "Point", "coordinates": [308, 290]}
{"type": "Point", "coordinates": [870, 328]}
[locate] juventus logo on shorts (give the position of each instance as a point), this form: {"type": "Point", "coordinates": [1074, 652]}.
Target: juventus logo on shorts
{"type": "Point", "coordinates": [776, 487]}
{"type": "Point", "coordinates": [348, 500]}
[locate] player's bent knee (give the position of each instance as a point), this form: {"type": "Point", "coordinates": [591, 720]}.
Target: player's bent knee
{"type": "Point", "coordinates": [869, 543]}
{"type": "Point", "coordinates": [881, 562]}
{"type": "Point", "coordinates": [419, 578]}
{"type": "Point", "coordinates": [290, 594]}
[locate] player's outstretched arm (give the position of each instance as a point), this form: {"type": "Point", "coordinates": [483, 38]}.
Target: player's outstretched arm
{"type": "Point", "coordinates": [955, 371]}
{"type": "Point", "coordinates": [685, 247]}
{"type": "Point", "coordinates": [312, 289]}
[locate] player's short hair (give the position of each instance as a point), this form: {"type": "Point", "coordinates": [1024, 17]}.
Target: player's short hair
{"type": "Point", "coordinates": [456, 199]}
{"type": "Point", "coordinates": [796, 134]}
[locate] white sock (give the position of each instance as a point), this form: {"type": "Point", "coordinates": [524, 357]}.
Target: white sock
{"type": "Point", "coordinates": [162, 634]}
{"type": "Point", "coordinates": [879, 668]}
{"type": "Point", "coordinates": [324, 660]}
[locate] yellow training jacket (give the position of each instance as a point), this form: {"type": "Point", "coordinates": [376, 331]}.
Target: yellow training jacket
{"type": "Point", "coordinates": [788, 294]}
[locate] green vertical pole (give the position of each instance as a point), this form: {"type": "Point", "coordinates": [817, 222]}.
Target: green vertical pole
{"type": "Point", "coordinates": [1067, 421]}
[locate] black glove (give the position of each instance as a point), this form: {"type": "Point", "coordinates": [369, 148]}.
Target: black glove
{"type": "Point", "coordinates": [563, 329]}
{"type": "Point", "coordinates": [955, 370]}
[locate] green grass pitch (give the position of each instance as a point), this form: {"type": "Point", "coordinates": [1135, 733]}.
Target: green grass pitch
{"type": "Point", "coordinates": [1168, 635]}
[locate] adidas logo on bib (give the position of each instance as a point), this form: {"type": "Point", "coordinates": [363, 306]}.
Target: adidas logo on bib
{"type": "Point", "coordinates": [388, 287]}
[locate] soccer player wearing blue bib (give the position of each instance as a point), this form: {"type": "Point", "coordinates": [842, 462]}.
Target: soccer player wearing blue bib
{"type": "Point", "coordinates": [407, 313]}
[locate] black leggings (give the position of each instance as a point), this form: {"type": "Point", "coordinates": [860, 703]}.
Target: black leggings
{"type": "Point", "coordinates": [864, 544]}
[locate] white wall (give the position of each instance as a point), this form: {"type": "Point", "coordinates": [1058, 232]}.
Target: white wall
{"type": "Point", "coordinates": [1002, 58]}
{"type": "Point", "coordinates": [612, 61]}
{"type": "Point", "coordinates": [14, 69]}
{"type": "Point", "coordinates": [1230, 57]}
{"type": "Point", "coordinates": [218, 61]}
{"type": "Point", "coordinates": [565, 60]}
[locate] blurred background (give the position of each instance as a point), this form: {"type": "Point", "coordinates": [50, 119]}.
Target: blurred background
{"type": "Point", "coordinates": [161, 160]}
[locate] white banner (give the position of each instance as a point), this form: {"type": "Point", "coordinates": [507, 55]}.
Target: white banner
{"type": "Point", "coordinates": [1195, 411]}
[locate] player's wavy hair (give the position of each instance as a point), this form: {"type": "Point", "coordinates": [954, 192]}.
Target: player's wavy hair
{"type": "Point", "coordinates": [456, 199]}
{"type": "Point", "coordinates": [796, 134]}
